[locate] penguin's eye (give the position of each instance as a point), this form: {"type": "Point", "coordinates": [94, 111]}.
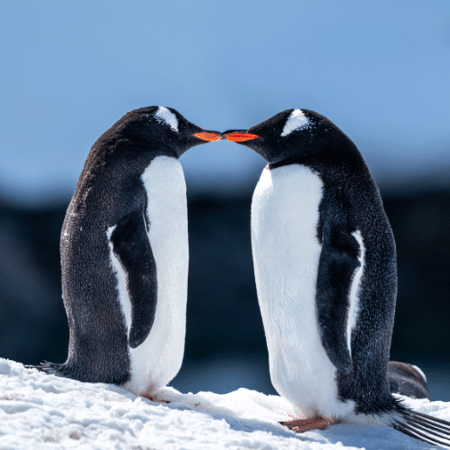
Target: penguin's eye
{"type": "Point", "coordinates": [296, 121]}
{"type": "Point", "coordinates": [164, 115]}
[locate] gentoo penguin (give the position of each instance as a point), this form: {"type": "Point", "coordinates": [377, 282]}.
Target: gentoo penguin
{"type": "Point", "coordinates": [124, 254]}
{"type": "Point", "coordinates": [325, 269]}
{"type": "Point", "coordinates": [408, 380]}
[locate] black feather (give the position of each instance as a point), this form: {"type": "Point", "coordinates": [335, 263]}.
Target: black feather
{"type": "Point", "coordinates": [424, 427]}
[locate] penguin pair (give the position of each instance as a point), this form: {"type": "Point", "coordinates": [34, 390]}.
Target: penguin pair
{"type": "Point", "coordinates": [324, 259]}
{"type": "Point", "coordinates": [326, 276]}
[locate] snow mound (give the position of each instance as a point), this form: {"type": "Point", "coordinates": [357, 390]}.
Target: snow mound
{"type": "Point", "coordinates": [39, 411]}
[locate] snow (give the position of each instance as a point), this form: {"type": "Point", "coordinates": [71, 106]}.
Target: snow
{"type": "Point", "coordinates": [39, 411]}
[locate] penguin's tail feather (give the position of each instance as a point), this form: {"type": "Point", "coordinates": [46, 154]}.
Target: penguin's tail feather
{"type": "Point", "coordinates": [50, 368]}
{"type": "Point", "coordinates": [423, 427]}
{"type": "Point", "coordinates": [79, 373]}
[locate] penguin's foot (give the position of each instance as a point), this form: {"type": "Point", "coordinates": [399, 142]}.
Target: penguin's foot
{"type": "Point", "coordinates": [152, 399]}
{"type": "Point", "coordinates": [313, 423]}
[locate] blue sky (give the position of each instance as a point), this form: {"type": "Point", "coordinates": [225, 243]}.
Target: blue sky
{"type": "Point", "coordinates": [379, 70]}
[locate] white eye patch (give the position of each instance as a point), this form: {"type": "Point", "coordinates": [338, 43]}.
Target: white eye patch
{"type": "Point", "coordinates": [168, 117]}
{"type": "Point", "coordinates": [296, 121]}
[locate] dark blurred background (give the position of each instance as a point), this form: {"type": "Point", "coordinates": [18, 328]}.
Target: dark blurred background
{"type": "Point", "coordinates": [379, 71]}
{"type": "Point", "coordinates": [225, 345]}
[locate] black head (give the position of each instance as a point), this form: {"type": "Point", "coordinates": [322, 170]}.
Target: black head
{"type": "Point", "coordinates": [159, 128]}
{"type": "Point", "coordinates": [288, 135]}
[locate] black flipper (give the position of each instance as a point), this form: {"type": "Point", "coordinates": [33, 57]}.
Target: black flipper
{"type": "Point", "coordinates": [406, 380]}
{"type": "Point", "coordinates": [337, 265]}
{"type": "Point", "coordinates": [132, 248]}
{"type": "Point", "coordinates": [423, 427]}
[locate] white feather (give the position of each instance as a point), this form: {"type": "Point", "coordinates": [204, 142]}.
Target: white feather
{"type": "Point", "coordinates": [165, 115]}
{"type": "Point", "coordinates": [297, 120]}
{"type": "Point", "coordinates": [158, 359]}
{"type": "Point", "coordinates": [121, 287]}
{"type": "Point", "coordinates": [286, 251]}
{"type": "Point", "coordinates": [354, 290]}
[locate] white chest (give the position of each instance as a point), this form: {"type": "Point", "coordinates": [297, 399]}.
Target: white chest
{"type": "Point", "coordinates": [158, 359]}
{"type": "Point", "coordinates": [286, 252]}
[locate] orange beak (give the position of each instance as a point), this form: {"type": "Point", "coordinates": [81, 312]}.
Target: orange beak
{"type": "Point", "coordinates": [241, 137]}
{"type": "Point", "coordinates": [207, 136]}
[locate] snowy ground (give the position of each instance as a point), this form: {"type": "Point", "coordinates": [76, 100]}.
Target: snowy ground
{"type": "Point", "coordinates": [39, 411]}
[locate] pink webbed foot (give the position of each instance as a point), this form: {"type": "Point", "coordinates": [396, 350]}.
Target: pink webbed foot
{"type": "Point", "coordinates": [313, 423]}
{"type": "Point", "coordinates": [149, 397]}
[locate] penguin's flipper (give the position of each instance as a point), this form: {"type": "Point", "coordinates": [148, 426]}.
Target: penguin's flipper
{"type": "Point", "coordinates": [408, 380]}
{"type": "Point", "coordinates": [132, 248]}
{"type": "Point", "coordinates": [337, 265]}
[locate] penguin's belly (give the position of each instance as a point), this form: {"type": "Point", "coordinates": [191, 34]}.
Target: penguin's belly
{"type": "Point", "coordinates": [158, 359]}
{"type": "Point", "coordinates": [286, 251]}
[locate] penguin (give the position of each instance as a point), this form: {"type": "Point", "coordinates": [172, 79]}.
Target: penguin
{"type": "Point", "coordinates": [124, 254]}
{"type": "Point", "coordinates": [326, 277]}
{"type": "Point", "coordinates": [408, 380]}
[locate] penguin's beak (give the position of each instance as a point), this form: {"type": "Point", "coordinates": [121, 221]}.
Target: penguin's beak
{"type": "Point", "coordinates": [238, 136]}
{"type": "Point", "coordinates": [209, 136]}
